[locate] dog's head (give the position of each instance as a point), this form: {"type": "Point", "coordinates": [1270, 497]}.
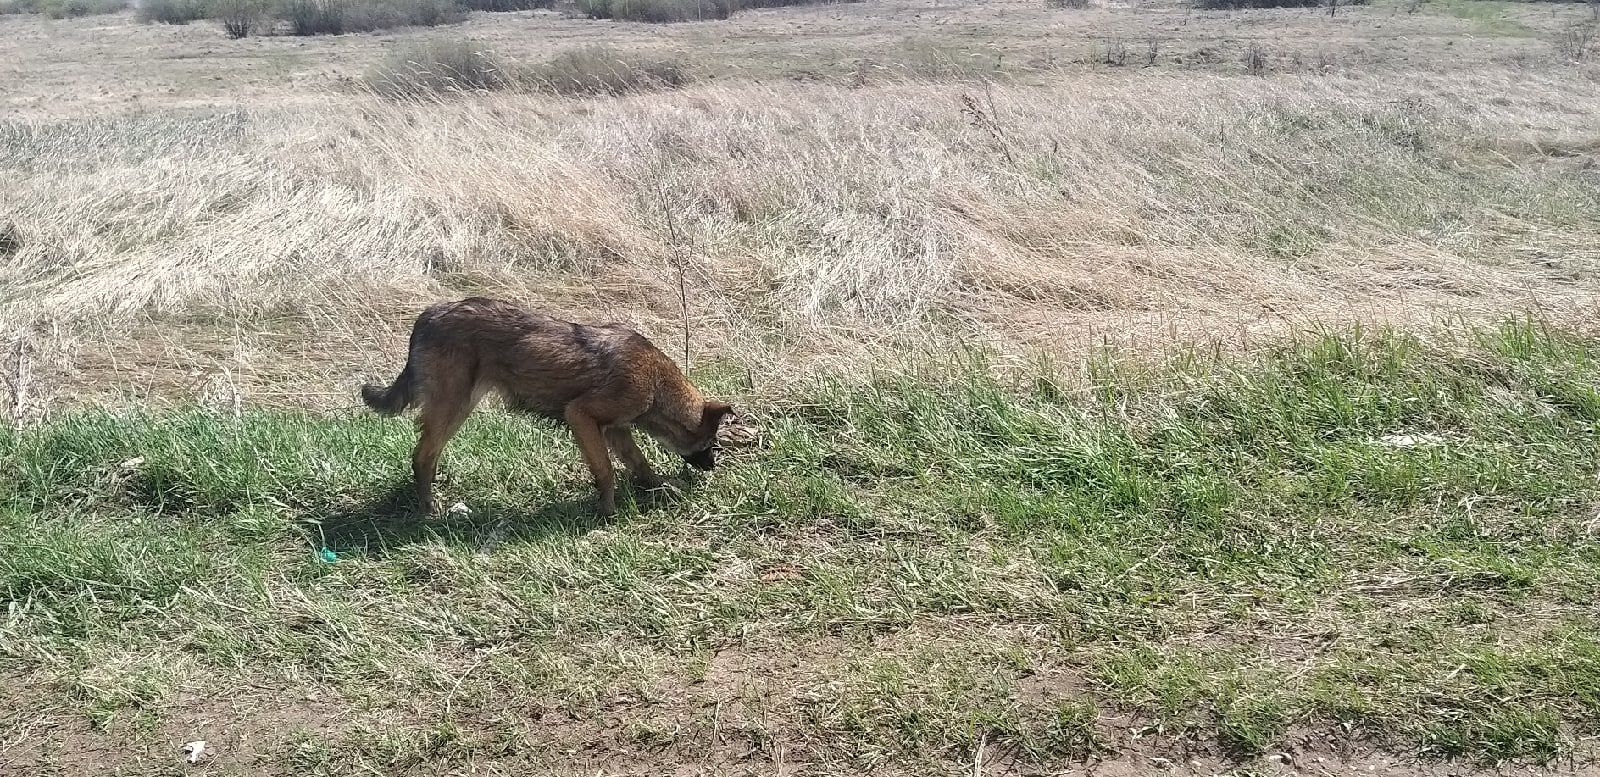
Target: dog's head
{"type": "Point", "coordinates": [702, 454]}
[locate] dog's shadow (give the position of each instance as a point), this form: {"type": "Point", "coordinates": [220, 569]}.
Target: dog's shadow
{"type": "Point", "coordinates": [388, 521]}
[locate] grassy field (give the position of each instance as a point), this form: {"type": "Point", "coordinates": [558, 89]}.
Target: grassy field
{"type": "Point", "coordinates": [1135, 388]}
{"type": "Point", "coordinates": [1349, 541]}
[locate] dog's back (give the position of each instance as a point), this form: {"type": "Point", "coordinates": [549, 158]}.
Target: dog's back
{"type": "Point", "coordinates": [538, 364]}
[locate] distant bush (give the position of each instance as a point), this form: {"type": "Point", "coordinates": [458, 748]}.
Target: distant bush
{"type": "Point", "coordinates": [242, 18]}
{"type": "Point", "coordinates": [602, 70]}
{"type": "Point", "coordinates": [657, 10]}
{"type": "Point", "coordinates": [311, 17]}
{"type": "Point", "coordinates": [437, 68]}
{"type": "Point", "coordinates": [507, 5]}
{"type": "Point", "coordinates": [337, 17]}
{"type": "Point", "coordinates": [784, 3]}
{"type": "Point", "coordinates": [1223, 5]}
{"type": "Point", "coordinates": [62, 9]}
{"type": "Point", "coordinates": [172, 11]}
{"type": "Point", "coordinates": [59, 9]}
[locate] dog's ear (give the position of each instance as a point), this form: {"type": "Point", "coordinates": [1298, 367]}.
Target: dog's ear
{"type": "Point", "coordinates": [713, 413]}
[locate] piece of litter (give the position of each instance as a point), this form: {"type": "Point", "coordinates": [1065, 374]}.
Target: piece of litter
{"type": "Point", "coordinates": [133, 463]}
{"type": "Point", "coordinates": [1410, 440]}
{"type": "Point", "coordinates": [194, 751]}
{"type": "Point", "coordinates": [780, 572]}
{"type": "Point", "coordinates": [327, 555]}
{"type": "Point", "coordinates": [459, 508]}
{"type": "Point", "coordinates": [739, 435]}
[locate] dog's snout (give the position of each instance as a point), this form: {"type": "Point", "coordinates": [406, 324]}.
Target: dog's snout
{"type": "Point", "coordinates": [702, 460]}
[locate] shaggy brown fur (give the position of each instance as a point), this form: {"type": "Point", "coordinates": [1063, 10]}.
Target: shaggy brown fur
{"type": "Point", "coordinates": [603, 381]}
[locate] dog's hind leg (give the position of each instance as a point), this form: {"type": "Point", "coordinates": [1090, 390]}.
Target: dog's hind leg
{"type": "Point", "coordinates": [446, 405]}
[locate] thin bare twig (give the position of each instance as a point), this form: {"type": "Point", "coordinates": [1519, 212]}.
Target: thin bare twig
{"type": "Point", "coordinates": [680, 263]}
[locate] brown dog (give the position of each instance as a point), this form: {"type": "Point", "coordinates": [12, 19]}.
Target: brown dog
{"type": "Point", "coordinates": [601, 380]}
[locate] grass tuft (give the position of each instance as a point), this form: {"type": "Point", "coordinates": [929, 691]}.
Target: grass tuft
{"type": "Point", "coordinates": [440, 67]}
{"type": "Point", "coordinates": [601, 70]}
{"type": "Point", "coordinates": [457, 67]}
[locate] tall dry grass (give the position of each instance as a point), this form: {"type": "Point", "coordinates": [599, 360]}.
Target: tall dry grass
{"type": "Point", "coordinates": [818, 222]}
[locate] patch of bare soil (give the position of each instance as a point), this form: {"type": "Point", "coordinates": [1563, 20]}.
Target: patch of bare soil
{"type": "Point", "coordinates": [739, 715]}
{"type": "Point", "coordinates": [245, 727]}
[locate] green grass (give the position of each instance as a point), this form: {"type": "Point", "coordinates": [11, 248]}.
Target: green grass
{"type": "Point", "coordinates": [1491, 16]}
{"type": "Point", "coordinates": [1383, 536]}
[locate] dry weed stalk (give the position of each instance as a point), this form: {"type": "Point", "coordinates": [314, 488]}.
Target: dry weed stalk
{"type": "Point", "coordinates": [18, 378]}
{"type": "Point", "coordinates": [987, 120]}
{"type": "Point", "coordinates": [676, 250]}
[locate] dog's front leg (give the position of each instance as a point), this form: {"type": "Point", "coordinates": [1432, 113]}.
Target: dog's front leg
{"type": "Point", "coordinates": [592, 443]}
{"type": "Point", "coordinates": [620, 438]}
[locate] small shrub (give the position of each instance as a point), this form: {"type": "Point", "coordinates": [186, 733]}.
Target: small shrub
{"type": "Point", "coordinates": [657, 11]}
{"type": "Point", "coordinates": [438, 68]}
{"type": "Point", "coordinates": [240, 18]}
{"type": "Point", "coordinates": [1115, 53]}
{"type": "Point", "coordinates": [595, 70]}
{"type": "Point", "coordinates": [1255, 60]}
{"type": "Point", "coordinates": [1577, 41]}
{"type": "Point", "coordinates": [171, 11]}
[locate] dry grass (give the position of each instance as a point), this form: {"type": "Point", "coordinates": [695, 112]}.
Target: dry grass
{"type": "Point", "coordinates": [821, 221]}
{"type": "Point", "coordinates": [833, 205]}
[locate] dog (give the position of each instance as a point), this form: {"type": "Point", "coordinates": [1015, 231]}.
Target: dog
{"type": "Point", "coordinates": [602, 381]}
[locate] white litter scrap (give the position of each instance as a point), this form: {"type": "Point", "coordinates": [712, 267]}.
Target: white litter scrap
{"type": "Point", "coordinates": [460, 508]}
{"type": "Point", "coordinates": [1410, 440]}
{"type": "Point", "coordinates": [194, 751]}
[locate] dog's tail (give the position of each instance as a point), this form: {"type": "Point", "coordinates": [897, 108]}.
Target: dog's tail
{"type": "Point", "coordinates": [395, 398]}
